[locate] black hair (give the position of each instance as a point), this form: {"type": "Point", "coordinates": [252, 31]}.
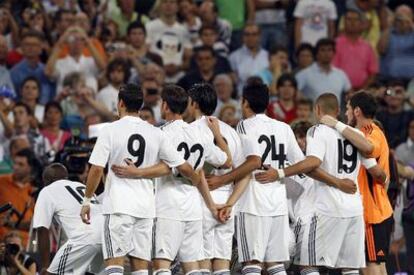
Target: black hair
{"type": "Point", "coordinates": [276, 49]}
{"type": "Point", "coordinates": [287, 77]}
{"type": "Point", "coordinates": [54, 172]}
{"type": "Point", "coordinates": [305, 101]}
{"type": "Point", "coordinates": [34, 79]}
{"type": "Point", "coordinates": [360, 14]}
{"type": "Point", "coordinates": [25, 106]}
{"type": "Point", "coordinates": [205, 96]}
{"type": "Point", "coordinates": [136, 25]}
{"type": "Point", "coordinates": [132, 96]}
{"type": "Point", "coordinates": [33, 33]}
{"type": "Point", "coordinates": [301, 127]}
{"type": "Point", "coordinates": [176, 98]}
{"type": "Point", "coordinates": [53, 104]}
{"type": "Point", "coordinates": [257, 95]}
{"type": "Point", "coordinates": [60, 13]}
{"type": "Point", "coordinates": [32, 160]}
{"type": "Point", "coordinates": [324, 42]}
{"type": "Point", "coordinates": [116, 63]}
{"type": "Point", "coordinates": [148, 109]}
{"type": "Point", "coordinates": [366, 102]}
{"type": "Point", "coordinates": [204, 49]}
{"type": "Point", "coordinates": [304, 47]}
{"type": "Point", "coordinates": [254, 80]}
{"type": "Point", "coordinates": [207, 27]}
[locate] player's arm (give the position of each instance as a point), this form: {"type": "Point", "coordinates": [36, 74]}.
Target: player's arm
{"type": "Point", "coordinates": [43, 238]}
{"type": "Point", "coordinates": [345, 185]}
{"type": "Point", "coordinates": [238, 190]}
{"type": "Point", "coordinates": [205, 193]}
{"type": "Point", "coordinates": [92, 182]}
{"type": "Point", "coordinates": [357, 139]}
{"type": "Point", "coordinates": [131, 171]}
{"type": "Point", "coordinates": [213, 124]}
{"type": "Point", "coordinates": [375, 170]}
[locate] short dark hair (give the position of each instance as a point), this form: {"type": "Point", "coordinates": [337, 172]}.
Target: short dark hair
{"type": "Point", "coordinates": [136, 25]}
{"type": "Point", "coordinates": [324, 42]}
{"type": "Point", "coordinates": [30, 156]}
{"type": "Point", "coordinates": [24, 106]}
{"type": "Point", "coordinates": [204, 49]}
{"type": "Point", "coordinates": [35, 80]}
{"type": "Point", "coordinates": [176, 98]}
{"type": "Point", "coordinates": [206, 27]}
{"type": "Point", "coordinates": [305, 101]}
{"type": "Point", "coordinates": [276, 49]}
{"type": "Point", "coordinates": [366, 102]}
{"type": "Point", "coordinates": [205, 96]}
{"type": "Point", "coordinates": [54, 172]}
{"type": "Point", "coordinates": [328, 102]}
{"type": "Point", "coordinates": [304, 47]}
{"type": "Point", "coordinates": [351, 10]}
{"type": "Point", "coordinates": [257, 95]}
{"type": "Point", "coordinates": [148, 109]}
{"type": "Point", "coordinates": [33, 33]}
{"type": "Point", "coordinates": [301, 127]}
{"type": "Point", "coordinates": [53, 104]}
{"type": "Point", "coordinates": [61, 12]}
{"type": "Point", "coordinates": [116, 63]}
{"type": "Point", "coordinates": [132, 96]}
{"type": "Point", "coordinates": [254, 80]}
{"type": "Point", "coordinates": [287, 77]}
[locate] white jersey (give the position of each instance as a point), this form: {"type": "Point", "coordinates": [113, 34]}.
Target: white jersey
{"type": "Point", "coordinates": [175, 198]}
{"type": "Point", "coordinates": [342, 160]}
{"type": "Point", "coordinates": [275, 143]}
{"type": "Point", "coordinates": [301, 192]}
{"type": "Point", "coordinates": [146, 145]}
{"type": "Point", "coordinates": [62, 201]}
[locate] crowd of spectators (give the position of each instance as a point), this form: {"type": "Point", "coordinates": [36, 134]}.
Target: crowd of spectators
{"type": "Point", "coordinates": [62, 63]}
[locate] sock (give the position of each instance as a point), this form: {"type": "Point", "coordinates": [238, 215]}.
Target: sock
{"type": "Point", "coordinates": [222, 272]}
{"type": "Point", "coordinates": [194, 272]}
{"type": "Point", "coordinates": [251, 270]}
{"type": "Point", "coordinates": [276, 270]}
{"type": "Point", "coordinates": [140, 272]}
{"type": "Point", "coordinates": [114, 270]}
{"type": "Point", "coordinates": [162, 272]}
{"type": "Point", "coordinates": [205, 272]}
{"type": "Point", "coordinates": [309, 271]}
{"type": "Point", "coordinates": [351, 272]}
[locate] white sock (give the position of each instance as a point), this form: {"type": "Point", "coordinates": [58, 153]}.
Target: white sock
{"type": "Point", "coordinates": [114, 270]}
{"type": "Point", "coordinates": [194, 272]}
{"type": "Point", "coordinates": [222, 272]}
{"type": "Point", "coordinates": [309, 271]}
{"type": "Point", "coordinates": [162, 272]}
{"type": "Point", "coordinates": [205, 271]}
{"type": "Point", "coordinates": [140, 272]}
{"type": "Point", "coordinates": [276, 270]}
{"type": "Point", "coordinates": [251, 270]}
{"type": "Point", "coordinates": [351, 272]}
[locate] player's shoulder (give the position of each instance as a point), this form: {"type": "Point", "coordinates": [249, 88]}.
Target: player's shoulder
{"type": "Point", "coordinates": [319, 129]}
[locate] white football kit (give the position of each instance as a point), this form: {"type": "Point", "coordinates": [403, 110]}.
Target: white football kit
{"type": "Point", "coordinates": [335, 235]}
{"type": "Point", "coordinates": [218, 237]}
{"type": "Point", "coordinates": [62, 201]}
{"type": "Point", "coordinates": [179, 228]}
{"type": "Point", "coordinates": [263, 231]}
{"type": "Point", "coordinates": [129, 204]}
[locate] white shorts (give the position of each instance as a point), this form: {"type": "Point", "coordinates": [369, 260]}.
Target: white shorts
{"type": "Point", "coordinates": [218, 237]}
{"type": "Point", "coordinates": [264, 239]}
{"type": "Point", "coordinates": [127, 235]}
{"type": "Point", "coordinates": [181, 239]}
{"type": "Point", "coordinates": [77, 258]}
{"type": "Point", "coordinates": [332, 242]}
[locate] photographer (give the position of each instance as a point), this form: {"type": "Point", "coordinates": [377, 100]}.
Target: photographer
{"type": "Point", "coordinates": [13, 259]}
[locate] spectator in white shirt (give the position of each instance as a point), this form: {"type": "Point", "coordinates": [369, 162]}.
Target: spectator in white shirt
{"type": "Point", "coordinates": [250, 59]}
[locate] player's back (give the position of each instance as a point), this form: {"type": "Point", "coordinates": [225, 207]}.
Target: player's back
{"type": "Point", "coordinates": [64, 199]}
{"type": "Point", "coordinates": [340, 159]}
{"type": "Point", "coordinates": [301, 192]}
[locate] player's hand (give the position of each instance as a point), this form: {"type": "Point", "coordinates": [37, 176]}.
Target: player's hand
{"type": "Point", "coordinates": [347, 186]}
{"type": "Point", "coordinates": [224, 213]}
{"type": "Point", "coordinates": [214, 126]}
{"type": "Point", "coordinates": [214, 182]}
{"type": "Point", "coordinates": [215, 210]}
{"type": "Point", "coordinates": [129, 171]}
{"type": "Point", "coordinates": [86, 214]}
{"type": "Point", "coordinates": [329, 121]}
{"type": "Point", "coordinates": [270, 175]}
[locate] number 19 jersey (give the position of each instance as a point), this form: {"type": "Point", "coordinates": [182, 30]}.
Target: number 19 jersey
{"type": "Point", "coordinates": [131, 137]}
{"type": "Point", "coordinates": [274, 142]}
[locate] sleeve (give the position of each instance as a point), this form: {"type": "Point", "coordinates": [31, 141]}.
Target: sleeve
{"type": "Point", "coordinates": [233, 61]}
{"type": "Point", "coordinates": [238, 158]}
{"type": "Point", "coordinates": [315, 143]}
{"type": "Point", "coordinates": [250, 146]}
{"type": "Point", "coordinates": [375, 140]}
{"type": "Point", "coordinates": [168, 153]}
{"type": "Point", "coordinates": [102, 149]}
{"type": "Point", "coordinates": [214, 155]}
{"type": "Point", "coordinates": [333, 15]}
{"type": "Point", "coordinates": [368, 163]}
{"type": "Point", "coordinates": [294, 154]}
{"type": "Point", "coordinates": [44, 211]}
{"type": "Point", "coordinates": [299, 10]}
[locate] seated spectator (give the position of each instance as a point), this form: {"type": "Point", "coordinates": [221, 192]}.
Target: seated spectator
{"type": "Point", "coordinates": [228, 114]}
{"type": "Point", "coordinates": [209, 17]}
{"type": "Point", "coordinates": [58, 68]}
{"type": "Point", "coordinates": [322, 76]}
{"type": "Point", "coordinates": [18, 189]}
{"type": "Point", "coordinates": [397, 46]}
{"type": "Point", "coordinates": [125, 15]}
{"type": "Point", "coordinates": [206, 68]}
{"type": "Point", "coordinates": [188, 17]}
{"type": "Point", "coordinates": [19, 263]}
{"type": "Point", "coordinates": [117, 73]}
{"type": "Point", "coordinates": [314, 21]}
{"type": "Point", "coordinates": [284, 108]}
{"type": "Point", "coordinates": [16, 144]}
{"type": "Point", "coordinates": [250, 59]}
{"type": "Point", "coordinates": [31, 65]}
{"type": "Point", "coordinates": [394, 118]}
{"type": "Point", "coordinates": [304, 110]}
{"type": "Point", "coordinates": [30, 95]}
{"type": "Point", "coordinates": [146, 113]}
{"type": "Point", "coordinates": [304, 57]}
{"type": "Point", "coordinates": [209, 37]}
{"type": "Point", "coordinates": [224, 87]}
{"type": "Point", "coordinates": [51, 127]}
{"type": "Point", "coordinates": [362, 68]}
{"type": "Point", "coordinates": [5, 78]}
{"type": "Point", "coordinates": [169, 39]}
{"type": "Point", "coordinates": [278, 65]}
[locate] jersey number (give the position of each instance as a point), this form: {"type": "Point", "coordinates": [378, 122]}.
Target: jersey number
{"type": "Point", "coordinates": [137, 152]}
{"type": "Point", "coordinates": [271, 148]}
{"type": "Point", "coordinates": [78, 193]}
{"type": "Point", "coordinates": [346, 152]}
{"type": "Point", "coordinates": [187, 151]}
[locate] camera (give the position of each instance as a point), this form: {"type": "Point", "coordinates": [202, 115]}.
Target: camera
{"type": "Point", "coordinates": [12, 249]}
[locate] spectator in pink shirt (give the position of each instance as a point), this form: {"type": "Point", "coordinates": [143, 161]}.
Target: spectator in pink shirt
{"type": "Point", "coordinates": [354, 55]}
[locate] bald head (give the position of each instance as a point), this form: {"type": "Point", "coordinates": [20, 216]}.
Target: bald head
{"type": "Point", "coordinates": [328, 104]}
{"type": "Point", "coordinates": [404, 11]}
{"type": "Point", "coordinates": [54, 172]}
